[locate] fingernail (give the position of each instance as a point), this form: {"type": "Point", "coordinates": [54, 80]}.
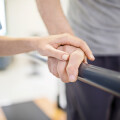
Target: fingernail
{"type": "Point", "coordinates": [65, 57]}
{"type": "Point", "coordinates": [72, 78]}
{"type": "Point", "coordinates": [92, 57]}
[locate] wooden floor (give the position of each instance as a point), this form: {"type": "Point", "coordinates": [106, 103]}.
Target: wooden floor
{"type": "Point", "coordinates": [48, 107]}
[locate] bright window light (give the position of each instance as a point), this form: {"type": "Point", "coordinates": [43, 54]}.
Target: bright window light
{"type": "Point", "coordinates": [2, 17]}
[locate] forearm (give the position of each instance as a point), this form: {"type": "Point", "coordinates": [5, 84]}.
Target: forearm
{"type": "Point", "coordinates": [10, 46]}
{"type": "Point", "coordinates": [53, 16]}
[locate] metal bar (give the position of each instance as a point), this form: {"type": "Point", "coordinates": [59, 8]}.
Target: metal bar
{"type": "Point", "coordinates": [101, 78]}
{"type": "Point", "coordinates": [104, 79]}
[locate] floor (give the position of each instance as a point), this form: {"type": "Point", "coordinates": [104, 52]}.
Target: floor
{"type": "Point", "coordinates": [41, 109]}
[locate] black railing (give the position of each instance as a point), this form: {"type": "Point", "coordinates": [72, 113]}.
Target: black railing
{"type": "Point", "coordinates": [104, 79]}
{"type": "Point", "coordinates": [101, 78]}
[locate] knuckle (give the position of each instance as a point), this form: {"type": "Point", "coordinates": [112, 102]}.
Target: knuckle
{"type": "Point", "coordinates": [86, 50]}
{"type": "Point", "coordinates": [80, 53]}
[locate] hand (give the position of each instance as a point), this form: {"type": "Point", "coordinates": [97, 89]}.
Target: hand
{"type": "Point", "coordinates": [67, 70]}
{"type": "Point", "coordinates": [48, 46]}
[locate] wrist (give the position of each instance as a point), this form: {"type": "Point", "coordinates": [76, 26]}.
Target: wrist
{"type": "Point", "coordinates": [33, 43]}
{"type": "Point", "coordinates": [29, 42]}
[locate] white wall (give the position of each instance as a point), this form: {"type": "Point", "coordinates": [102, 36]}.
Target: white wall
{"type": "Point", "coordinates": [23, 18]}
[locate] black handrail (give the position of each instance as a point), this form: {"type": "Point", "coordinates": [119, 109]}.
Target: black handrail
{"type": "Point", "coordinates": [101, 78]}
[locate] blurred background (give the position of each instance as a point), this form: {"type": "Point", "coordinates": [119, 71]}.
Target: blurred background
{"type": "Point", "coordinates": [22, 78]}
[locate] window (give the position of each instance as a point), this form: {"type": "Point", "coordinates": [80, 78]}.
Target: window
{"type": "Point", "coordinates": [2, 17]}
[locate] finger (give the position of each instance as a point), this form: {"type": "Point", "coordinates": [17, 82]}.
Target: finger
{"type": "Point", "coordinates": [87, 51]}
{"type": "Point", "coordinates": [84, 47]}
{"type": "Point", "coordinates": [85, 60]}
{"type": "Point", "coordinates": [55, 53]}
{"type": "Point", "coordinates": [74, 41]}
{"type": "Point", "coordinates": [75, 60]}
{"type": "Point", "coordinates": [61, 68]}
{"type": "Point", "coordinates": [52, 65]}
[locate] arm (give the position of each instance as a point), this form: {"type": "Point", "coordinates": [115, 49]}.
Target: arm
{"type": "Point", "coordinates": [56, 23]}
{"type": "Point", "coordinates": [10, 46]}
{"type": "Point", "coordinates": [53, 16]}
{"type": "Point", "coordinates": [46, 46]}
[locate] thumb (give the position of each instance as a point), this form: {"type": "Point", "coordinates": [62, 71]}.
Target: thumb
{"type": "Point", "coordinates": [58, 54]}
